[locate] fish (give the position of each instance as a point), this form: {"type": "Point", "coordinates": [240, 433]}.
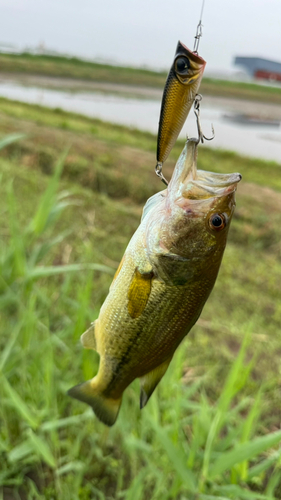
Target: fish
{"type": "Point", "coordinates": [161, 285]}
{"type": "Point", "coordinates": [182, 84]}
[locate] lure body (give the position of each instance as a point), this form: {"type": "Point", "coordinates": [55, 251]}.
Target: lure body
{"type": "Point", "coordinates": [181, 87]}
{"type": "Point", "coordinates": [163, 281]}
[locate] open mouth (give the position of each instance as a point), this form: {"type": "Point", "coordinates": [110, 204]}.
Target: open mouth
{"type": "Point", "coordinates": [210, 184]}
{"type": "Point", "coordinates": [194, 184]}
{"type": "Point", "coordinates": [194, 56]}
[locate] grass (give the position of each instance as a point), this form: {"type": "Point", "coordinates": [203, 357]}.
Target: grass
{"type": "Point", "coordinates": [70, 200]}
{"type": "Point", "coordinates": [241, 90]}
{"type": "Point", "coordinates": [71, 67]}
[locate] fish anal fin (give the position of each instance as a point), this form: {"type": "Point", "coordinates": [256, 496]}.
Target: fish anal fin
{"type": "Point", "coordinates": [150, 381]}
{"type": "Point", "coordinates": [106, 409]}
{"type": "Point", "coordinates": [88, 338]}
{"type": "Point", "coordinates": [139, 292]}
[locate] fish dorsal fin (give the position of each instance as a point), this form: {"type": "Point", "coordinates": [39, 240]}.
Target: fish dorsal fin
{"type": "Point", "coordinates": [88, 338]}
{"type": "Point", "coordinates": [152, 202]}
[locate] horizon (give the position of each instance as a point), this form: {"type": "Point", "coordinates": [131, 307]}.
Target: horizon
{"type": "Point", "coordinates": [144, 34]}
{"type": "Point", "coordinates": [42, 50]}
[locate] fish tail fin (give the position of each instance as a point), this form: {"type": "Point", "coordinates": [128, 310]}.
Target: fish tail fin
{"type": "Point", "coordinates": [106, 409]}
{"type": "Point", "coordinates": [150, 381]}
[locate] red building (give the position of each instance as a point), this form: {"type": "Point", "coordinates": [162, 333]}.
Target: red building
{"type": "Point", "coordinates": [260, 68]}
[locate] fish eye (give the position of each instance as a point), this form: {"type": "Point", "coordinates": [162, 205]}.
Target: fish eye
{"type": "Point", "coordinates": [217, 222]}
{"type": "Point", "coordinates": [182, 65]}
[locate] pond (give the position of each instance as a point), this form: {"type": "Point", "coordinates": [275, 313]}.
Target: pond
{"type": "Point", "coordinates": [254, 138]}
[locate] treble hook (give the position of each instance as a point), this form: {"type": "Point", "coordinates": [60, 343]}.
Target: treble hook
{"type": "Point", "coordinates": [201, 136]}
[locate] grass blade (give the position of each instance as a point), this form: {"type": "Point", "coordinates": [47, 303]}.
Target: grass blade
{"type": "Point", "coordinates": [9, 139]}
{"type": "Point", "coordinates": [248, 429]}
{"type": "Point", "coordinates": [64, 422]}
{"type": "Point", "coordinates": [9, 346]}
{"type": "Point", "coordinates": [17, 243]}
{"type": "Point", "coordinates": [48, 201]}
{"type": "Point", "coordinates": [136, 490]}
{"type": "Point", "coordinates": [178, 459]}
{"type": "Point", "coordinates": [21, 451]}
{"type": "Point", "coordinates": [44, 271]}
{"type": "Point", "coordinates": [237, 492]}
{"type": "Point", "coordinates": [211, 497]}
{"type": "Point", "coordinates": [42, 449]}
{"type": "Point", "coordinates": [245, 451]}
{"type": "Point", "coordinates": [234, 380]}
{"type": "Point", "coordinates": [19, 404]}
{"type": "Point", "coordinates": [75, 466]}
{"type": "Point", "coordinates": [272, 484]}
{"type": "Point", "coordinates": [258, 469]}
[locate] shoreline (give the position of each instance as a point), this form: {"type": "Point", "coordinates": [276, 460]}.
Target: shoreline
{"type": "Point", "coordinates": [248, 107]}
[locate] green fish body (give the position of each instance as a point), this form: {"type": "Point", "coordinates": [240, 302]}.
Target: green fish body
{"type": "Point", "coordinates": [163, 281]}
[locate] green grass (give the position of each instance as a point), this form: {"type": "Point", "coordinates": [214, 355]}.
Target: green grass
{"type": "Point", "coordinates": [70, 200]}
{"type": "Point", "coordinates": [72, 67]}
{"type": "Point", "coordinates": [77, 69]}
{"type": "Point", "coordinates": [241, 90]}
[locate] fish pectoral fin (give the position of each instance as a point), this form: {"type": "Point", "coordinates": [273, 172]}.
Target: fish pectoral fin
{"type": "Point", "coordinates": [88, 338]}
{"type": "Point", "coordinates": [150, 381]}
{"type": "Point", "coordinates": [106, 409]}
{"type": "Point", "coordinates": [139, 292]}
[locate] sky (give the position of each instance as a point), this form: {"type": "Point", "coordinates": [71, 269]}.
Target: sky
{"type": "Point", "coordinates": [145, 32]}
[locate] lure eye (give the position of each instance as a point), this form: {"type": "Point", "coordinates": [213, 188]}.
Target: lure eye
{"type": "Point", "coordinates": [182, 65]}
{"type": "Point", "coordinates": [217, 222]}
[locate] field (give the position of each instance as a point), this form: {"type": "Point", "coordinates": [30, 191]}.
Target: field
{"type": "Point", "coordinates": [71, 195]}
{"type": "Point", "coordinates": [18, 65]}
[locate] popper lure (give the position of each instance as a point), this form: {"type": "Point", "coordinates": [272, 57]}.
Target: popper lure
{"type": "Point", "coordinates": [180, 90]}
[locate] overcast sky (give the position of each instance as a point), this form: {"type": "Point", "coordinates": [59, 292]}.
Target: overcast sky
{"type": "Point", "coordinates": [145, 32]}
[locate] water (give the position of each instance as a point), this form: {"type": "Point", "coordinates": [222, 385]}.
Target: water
{"type": "Point", "coordinates": [262, 141]}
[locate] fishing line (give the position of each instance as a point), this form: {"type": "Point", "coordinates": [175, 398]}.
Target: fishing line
{"type": "Point", "coordinates": [198, 97]}
{"type": "Point", "coordinates": [199, 31]}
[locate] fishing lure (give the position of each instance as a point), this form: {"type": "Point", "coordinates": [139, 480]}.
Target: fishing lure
{"type": "Point", "coordinates": [181, 87]}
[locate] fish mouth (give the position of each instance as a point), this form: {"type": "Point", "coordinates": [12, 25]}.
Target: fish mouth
{"type": "Point", "coordinates": [188, 182]}
{"type": "Point", "coordinates": [196, 69]}
{"type": "Point", "coordinates": [182, 48]}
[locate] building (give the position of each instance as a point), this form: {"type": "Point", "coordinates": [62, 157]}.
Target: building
{"type": "Point", "coordinates": [261, 68]}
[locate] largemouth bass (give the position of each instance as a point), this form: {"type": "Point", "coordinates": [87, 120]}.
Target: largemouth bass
{"type": "Point", "coordinates": [181, 87]}
{"type": "Point", "coordinates": [162, 283]}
